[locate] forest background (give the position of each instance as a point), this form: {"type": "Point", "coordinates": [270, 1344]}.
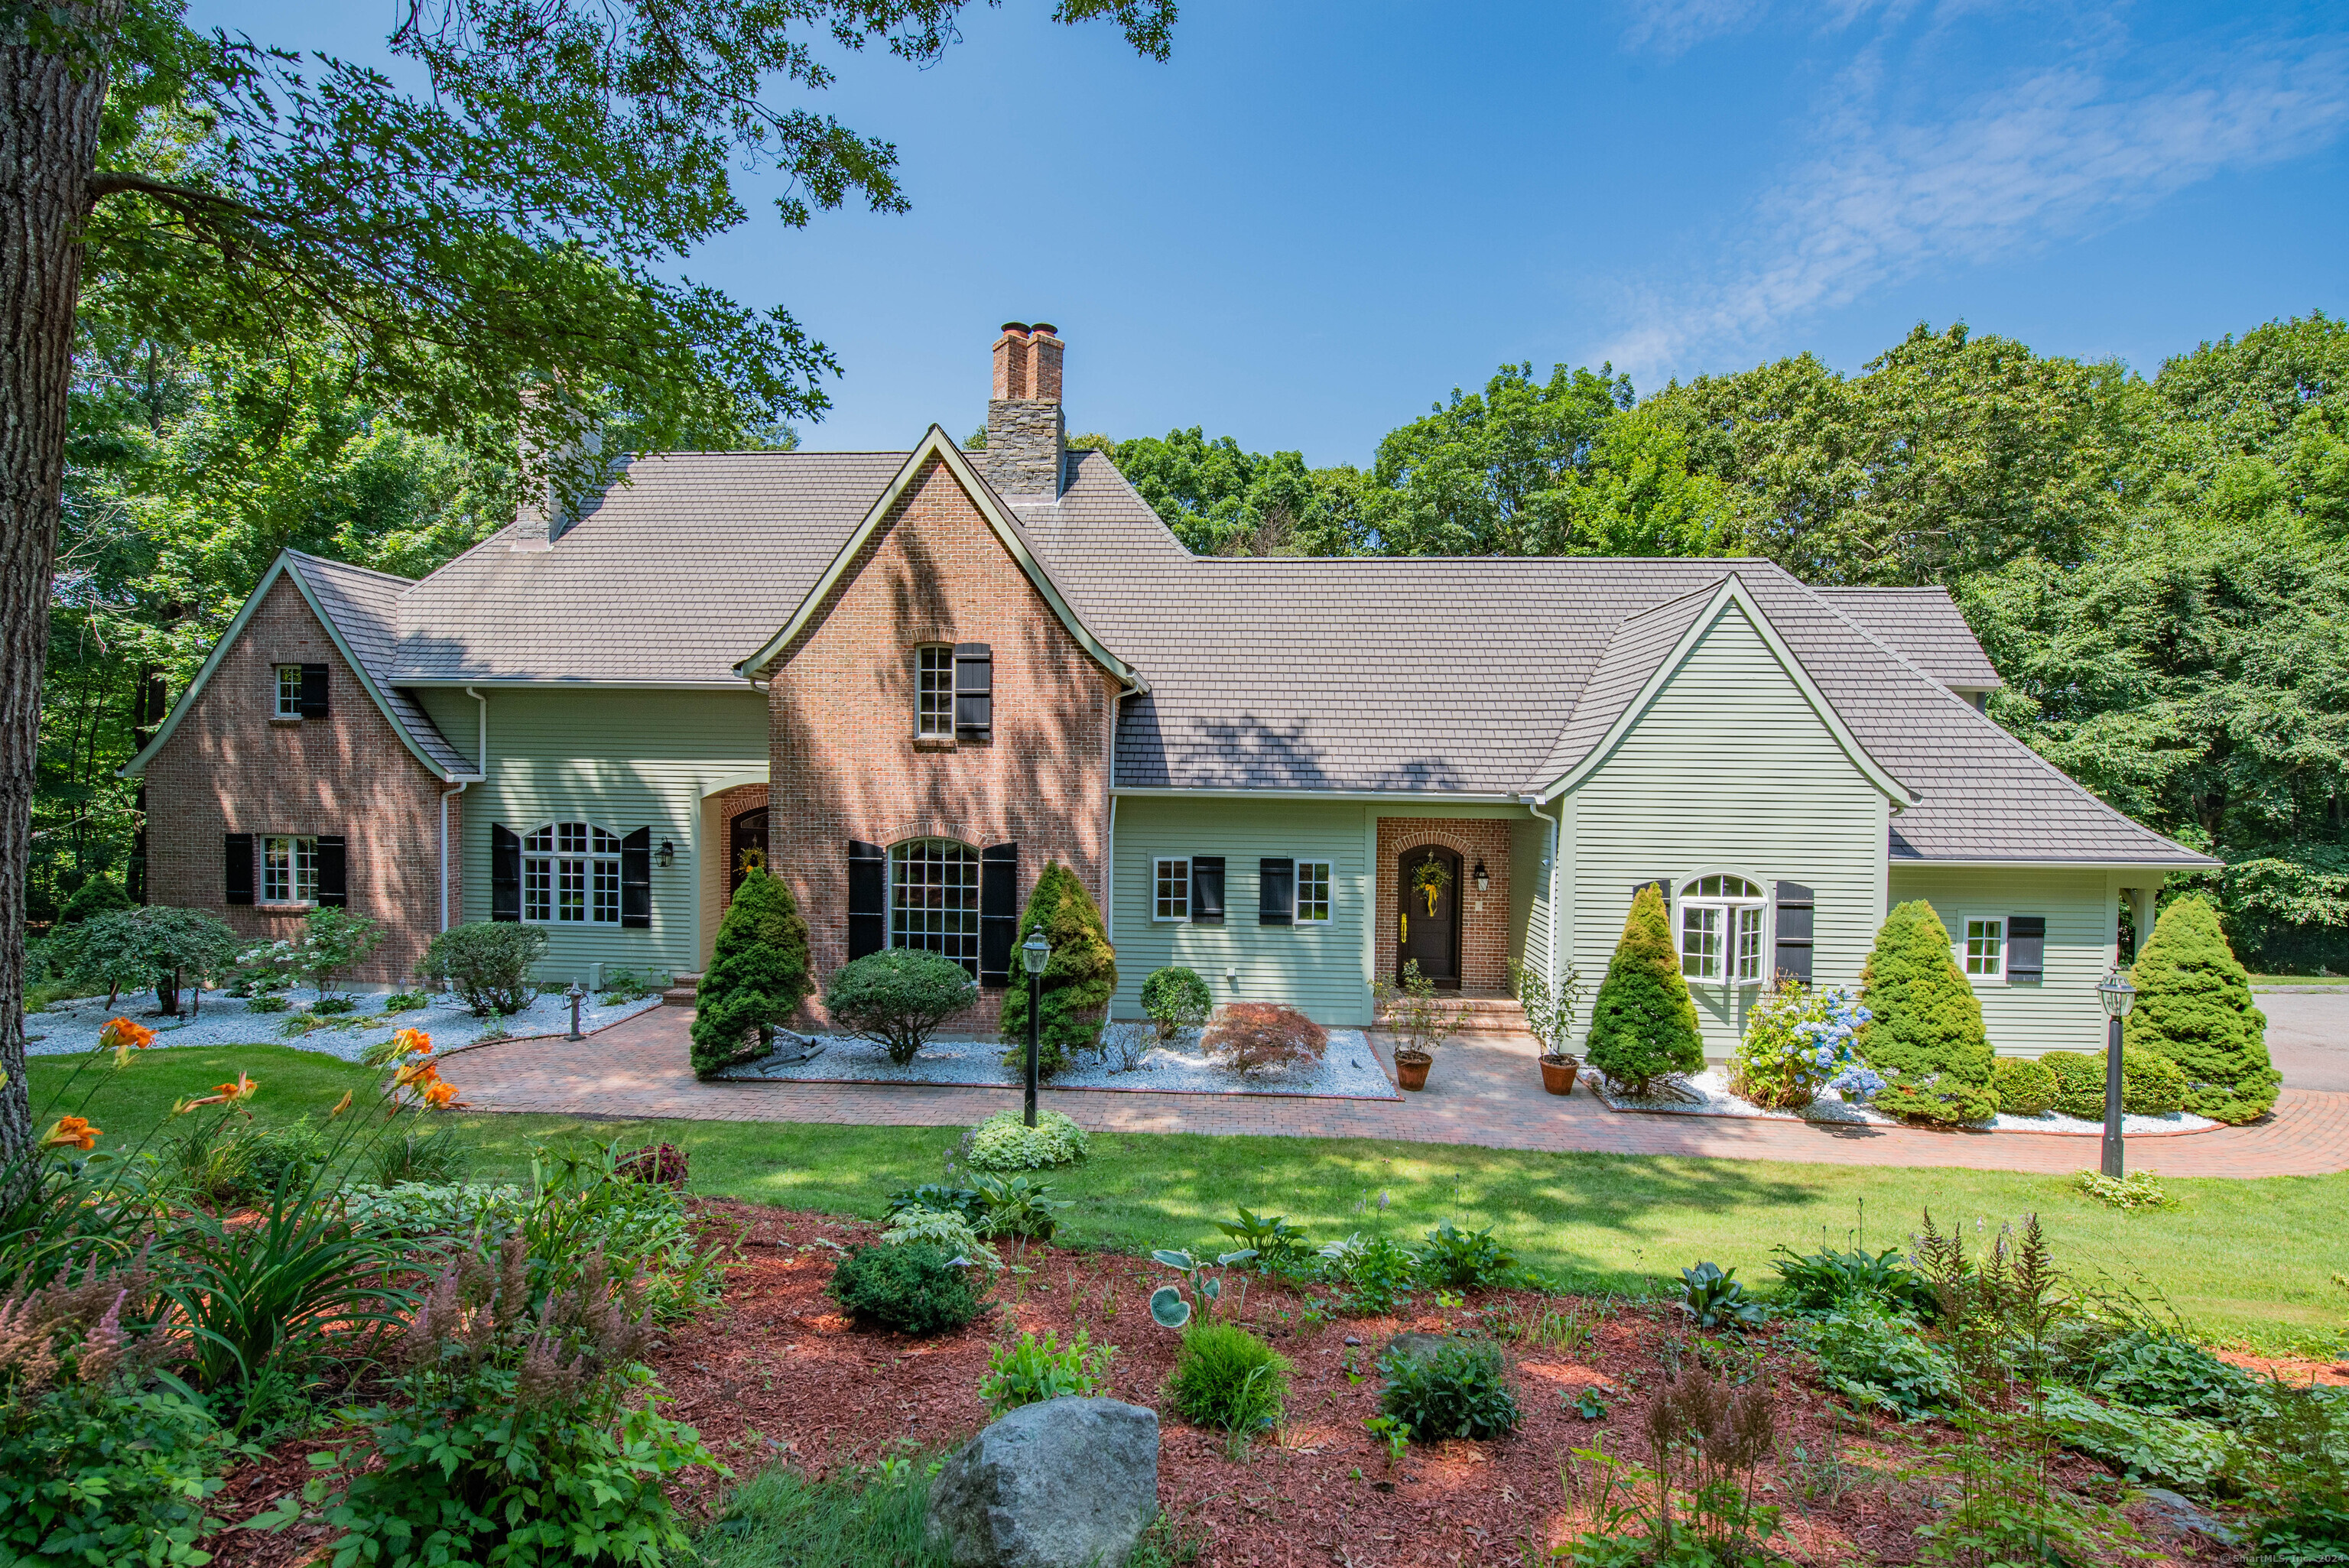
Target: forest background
{"type": "Point", "coordinates": [2157, 565]}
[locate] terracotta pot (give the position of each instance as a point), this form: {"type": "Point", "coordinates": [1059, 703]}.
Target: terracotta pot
{"type": "Point", "coordinates": [1558, 1074]}
{"type": "Point", "coordinates": [1411, 1068]}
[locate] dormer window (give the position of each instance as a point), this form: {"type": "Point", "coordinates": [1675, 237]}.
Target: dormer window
{"type": "Point", "coordinates": [289, 691]}
{"type": "Point", "coordinates": [1720, 930]}
{"type": "Point", "coordinates": [301, 692]}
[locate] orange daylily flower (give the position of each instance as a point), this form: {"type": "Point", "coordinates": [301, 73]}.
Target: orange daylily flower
{"type": "Point", "coordinates": [341, 1105]}
{"type": "Point", "coordinates": [412, 1042]}
{"type": "Point", "coordinates": [122, 1037]}
{"type": "Point", "coordinates": [413, 1073]}
{"type": "Point", "coordinates": [439, 1094]}
{"type": "Point", "coordinates": [224, 1094]}
{"type": "Point", "coordinates": [71, 1132]}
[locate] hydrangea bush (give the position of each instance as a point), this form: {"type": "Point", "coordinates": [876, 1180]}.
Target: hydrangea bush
{"type": "Point", "coordinates": [1798, 1042]}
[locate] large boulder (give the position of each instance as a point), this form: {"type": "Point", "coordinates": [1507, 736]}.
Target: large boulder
{"type": "Point", "coordinates": [1067, 1483]}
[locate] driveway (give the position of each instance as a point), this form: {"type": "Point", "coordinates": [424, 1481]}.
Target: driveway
{"type": "Point", "coordinates": [2308, 1037]}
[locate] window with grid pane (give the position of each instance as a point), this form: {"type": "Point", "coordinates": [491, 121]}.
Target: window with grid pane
{"type": "Point", "coordinates": [289, 871]}
{"type": "Point", "coordinates": [933, 686]}
{"type": "Point", "coordinates": [1722, 929]}
{"type": "Point", "coordinates": [1986, 949]}
{"type": "Point", "coordinates": [934, 899]}
{"type": "Point", "coordinates": [289, 691]}
{"type": "Point", "coordinates": [1312, 890]}
{"type": "Point", "coordinates": [1174, 889]}
{"type": "Point", "coordinates": [571, 875]}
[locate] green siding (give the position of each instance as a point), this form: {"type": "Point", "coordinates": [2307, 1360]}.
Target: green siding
{"type": "Point", "coordinates": [2082, 911]}
{"type": "Point", "coordinates": [1529, 861]}
{"type": "Point", "coordinates": [623, 760]}
{"type": "Point", "coordinates": [1728, 768]}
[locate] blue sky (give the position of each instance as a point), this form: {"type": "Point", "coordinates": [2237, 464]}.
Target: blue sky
{"type": "Point", "coordinates": [1318, 218]}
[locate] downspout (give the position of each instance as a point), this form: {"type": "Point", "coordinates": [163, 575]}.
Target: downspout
{"type": "Point", "coordinates": [457, 782]}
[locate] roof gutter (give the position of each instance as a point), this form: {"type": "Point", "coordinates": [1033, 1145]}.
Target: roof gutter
{"type": "Point", "coordinates": [458, 782]}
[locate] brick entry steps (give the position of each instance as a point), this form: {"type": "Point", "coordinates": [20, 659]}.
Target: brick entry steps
{"type": "Point", "coordinates": [1487, 1015]}
{"type": "Point", "coordinates": [681, 990]}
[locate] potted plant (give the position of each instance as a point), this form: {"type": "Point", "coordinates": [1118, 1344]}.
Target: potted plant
{"type": "Point", "coordinates": [1549, 1017]}
{"type": "Point", "coordinates": [1407, 1010]}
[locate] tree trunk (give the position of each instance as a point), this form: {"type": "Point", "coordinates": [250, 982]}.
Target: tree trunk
{"type": "Point", "coordinates": [48, 146]}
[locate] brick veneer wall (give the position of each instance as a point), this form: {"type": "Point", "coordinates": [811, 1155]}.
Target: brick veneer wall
{"type": "Point", "coordinates": [231, 767]}
{"type": "Point", "coordinates": [1483, 934]}
{"type": "Point", "coordinates": [845, 764]}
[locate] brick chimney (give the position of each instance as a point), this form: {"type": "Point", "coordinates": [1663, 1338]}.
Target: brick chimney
{"type": "Point", "coordinates": [1026, 440]}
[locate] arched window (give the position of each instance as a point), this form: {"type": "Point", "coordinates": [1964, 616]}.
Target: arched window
{"type": "Point", "coordinates": [934, 899]}
{"type": "Point", "coordinates": [1720, 930]}
{"type": "Point", "coordinates": [571, 874]}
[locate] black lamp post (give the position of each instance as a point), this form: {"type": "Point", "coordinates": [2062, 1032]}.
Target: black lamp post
{"type": "Point", "coordinates": [1033, 955]}
{"type": "Point", "coordinates": [2117, 994]}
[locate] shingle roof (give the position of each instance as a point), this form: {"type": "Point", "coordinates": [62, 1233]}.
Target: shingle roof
{"type": "Point", "coordinates": [1923, 626]}
{"type": "Point", "coordinates": [364, 607]}
{"type": "Point", "coordinates": [1642, 640]}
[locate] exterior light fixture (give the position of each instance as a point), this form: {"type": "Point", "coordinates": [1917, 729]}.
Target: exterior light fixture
{"type": "Point", "coordinates": [667, 855]}
{"type": "Point", "coordinates": [1484, 882]}
{"type": "Point", "coordinates": [1034, 954]}
{"type": "Point", "coordinates": [2118, 995]}
{"type": "Point", "coordinates": [574, 996]}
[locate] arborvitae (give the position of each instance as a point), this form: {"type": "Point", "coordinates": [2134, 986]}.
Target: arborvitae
{"type": "Point", "coordinates": [1926, 1037]}
{"type": "Point", "coordinates": [757, 978]}
{"type": "Point", "coordinates": [1643, 1025]}
{"type": "Point", "coordinates": [1078, 979]}
{"type": "Point", "coordinates": [2194, 1006]}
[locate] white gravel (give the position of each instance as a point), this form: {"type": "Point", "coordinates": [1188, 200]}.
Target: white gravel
{"type": "Point", "coordinates": [1710, 1096]}
{"type": "Point", "coordinates": [1347, 1069]}
{"type": "Point", "coordinates": [66, 1027]}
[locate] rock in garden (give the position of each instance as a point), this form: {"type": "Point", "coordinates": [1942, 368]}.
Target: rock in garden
{"type": "Point", "coordinates": [1412, 1344]}
{"type": "Point", "coordinates": [1068, 1483]}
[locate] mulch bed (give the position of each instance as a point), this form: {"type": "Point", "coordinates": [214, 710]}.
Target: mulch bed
{"type": "Point", "coordinates": [782, 1373]}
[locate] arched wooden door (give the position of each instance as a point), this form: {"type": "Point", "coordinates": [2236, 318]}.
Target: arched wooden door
{"type": "Point", "coordinates": [1427, 913]}
{"type": "Point", "coordinates": [746, 846]}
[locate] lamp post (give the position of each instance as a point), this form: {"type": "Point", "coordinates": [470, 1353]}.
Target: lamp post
{"type": "Point", "coordinates": [1033, 955]}
{"type": "Point", "coordinates": [574, 996]}
{"type": "Point", "coordinates": [2117, 994]}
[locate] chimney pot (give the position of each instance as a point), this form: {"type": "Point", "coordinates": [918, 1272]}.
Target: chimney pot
{"type": "Point", "coordinates": [1044, 329]}
{"type": "Point", "coordinates": [1026, 439]}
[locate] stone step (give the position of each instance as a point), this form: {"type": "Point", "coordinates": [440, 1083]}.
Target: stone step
{"type": "Point", "coordinates": [1488, 1015]}
{"type": "Point", "coordinates": [681, 990]}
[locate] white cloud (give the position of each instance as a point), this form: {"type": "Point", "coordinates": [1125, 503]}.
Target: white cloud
{"type": "Point", "coordinates": [1670, 27]}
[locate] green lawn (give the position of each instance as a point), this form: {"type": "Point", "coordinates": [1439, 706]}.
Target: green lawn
{"type": "Point", "coordinates": [2249, 1261]}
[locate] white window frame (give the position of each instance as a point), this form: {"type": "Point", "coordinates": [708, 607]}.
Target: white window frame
{"type": "Point", "coordinates": [1963, 948]}
{"type": "Point", "coordinates": [1328, 886]}
{"type": "Point", "coordinates": [289, 871]}
{"type": "Point", "coordinates": [1160, 879]}
{"type": "Point", "coordinates": [568, 875]}
{"type": "Point", "coordinates": [950, 927]}
{"type": "Point", "coordinates": [289, 701]}
{"type": "Point", "coordinates": [934, 708]}
{"type": "Point", "coordinates": [1734, 918]}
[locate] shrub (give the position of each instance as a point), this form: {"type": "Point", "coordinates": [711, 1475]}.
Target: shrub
{"type": "Point", "coordinates": [1643, 1025]}
{"type": "Point", "coordinates": [1227, 1379]}
{"type": "Point", "coordinates": [1881, 1363]}
{"type": "Point", "coordinates": [1005, 1142]}
{"type": "Point", "coordinates": [1797, 1042]}
{"type": "Point", "coordinates": [2150, 1085]}
{"type": "Point", "coordinates": [2079, 1083]}
{"type": "Point", "coordinates": [268, 1004]}
{"type": "Point", "coordinates": [1925, 1031]}
{"type": "Point", "coordinates": [406, 1001]}
{"type": "Point", "coordinates": [1455, 1258]}
{"type": "Point", "coordinates": [915, 1288]}
{"type": "Point", "coordinates": [1828, 1279]}
{"type": "Point", "coordinates": [1459, 1390]}
{"type": "Point", "coordinates": [2161, 1372]}
{"type": "Point", "coordinates": [2194, 1007]}
{"type": "Point", "coordinates": [333, 1006]}
{"type": "Point", "coordinates": [334, 942]}
{"type": "Point", "coordinates": [105, 1474]}
{"type": "Point", "coordinates": [2024, 1086]}
{"type": "Point", "coordinates": [487, 963]}
{"type": "Point", "coordinates": [1376, 1274]}
{"type": "Point", "coordinates": [1550, 1006]}
{"type": "Point", "coordinates": [1177, 998]}
{"type": "Point", "coordinates": [1262, 1037]}
{"type": "Point", "coordinates": [1077, 982]}
{"type": "Point", "coordinates": [945, 1230]}
{"type": "Point", "coordinates": [896, 997]}
{"type": "Point", "coordinates": [757, 978]}
{"type": "Point", "coordinates": [155, 946]}
{"type": "Point", "coordinates": [96, 896]}
{"type": "Point", "coordinates": [1032, 1372]}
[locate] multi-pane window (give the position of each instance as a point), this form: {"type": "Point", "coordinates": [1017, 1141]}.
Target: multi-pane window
{"type": "Point", "coordinates": [289, 691]}
{"type": "Point", "coordinates": [1173, 883]}
{"type": "Point", "coordinates": [571, 875]}
{"type": "Point", "coordinates": [1312, 890]}
{"type": "Point", "coordinates": [1986, 948]}
{"type": "Point", "coordinates": [934, 899]}
{"type": "Point", "coordinates": [289, 871]}
{"type": "Point", "coordinates": [1720, 930]}
{"type": "Point", "coordinates": [934, 691]}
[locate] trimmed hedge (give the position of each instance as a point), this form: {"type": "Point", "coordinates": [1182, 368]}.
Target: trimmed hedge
{"type": "Point", "coordinates": [1925, 1033]}
{"type": "Point", "coordinates": [1078, 981]}
{"type": "Point", "coordinates": [1643, 1025]}
{"type": "Point", "coordinates": [757, 978]}
{"type": "Point", "coordinates": [896, 997]}
{"type": "Point", "coordinates": [2194, 1008]}
{"type": "Point", "coordinates": [2025, 1087]}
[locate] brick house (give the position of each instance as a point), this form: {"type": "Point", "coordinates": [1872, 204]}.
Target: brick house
{"type": "Point", "coordinates": [906, 681]}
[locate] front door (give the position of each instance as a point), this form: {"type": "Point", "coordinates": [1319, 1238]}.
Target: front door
{"type": "Point", "coordinates": [1427, 918]}
{"type": "Point", "coordinates": [746, 846]}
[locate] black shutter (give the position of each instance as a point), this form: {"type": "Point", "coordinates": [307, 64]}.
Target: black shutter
{"type": "Point", "coordinates": [636, 881]}
{"type": "Point", "coordinates": [505, 873]}
{"type": "Point", "coordinates": [1792, 960]}
{"type": "Point", "coordinates": [334, 871]}
{"type": "Point", "coordinates": [314, 691]}
{"type": "Point", "coordinates": [1276, 898]}
{"type": "Point", "coordinates": [2026, 946]}
{"type": "Point", "coordinates": [1660, 884]}
{"type": "Point", "coordinates": [1206, 890]}
{"type": "Point", "coordinates": [974, 691]}
{"type": "Point", "coordinates": [868, 898]}
{"type": "Point", "coordinates": [999, 912]}
{"type": "Point", "coordinates": [240, 869]}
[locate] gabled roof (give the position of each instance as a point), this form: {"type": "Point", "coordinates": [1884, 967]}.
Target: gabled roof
{"type": "Point", "coordinates": [1923, 626]}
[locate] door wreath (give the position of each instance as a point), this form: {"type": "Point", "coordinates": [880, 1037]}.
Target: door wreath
{"type": "Point", "coordinates": [1430, 877]}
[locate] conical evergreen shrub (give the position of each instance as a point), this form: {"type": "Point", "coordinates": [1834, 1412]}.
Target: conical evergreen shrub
{"type": "Point", "coordinates": [1078, 979]}
{"type": "Point", "coordinates": [2194, 1006]}
{"type": "Point", "coordinates": [1643, 1025]}
{"type": "Point", "coordinates": [757, 978]}
{"type": "Point", "coordinates": [1926, 1035]}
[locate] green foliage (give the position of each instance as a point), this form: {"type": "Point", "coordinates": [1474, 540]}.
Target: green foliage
{"type": "Point", "coordinates": [2171, 1376]}
{"type": "Point", "coordinates": [1004, 1141]}
{"type": "Point", "coordinates": [1227, 1379]}
{"type": "Point", "coordinates": [1711, 1298]}
{"type": "Point", "coordinates": [406, 1001]}
{"type": "Point", "coordinates": [2164, 1451]}
{"type": "Point", "coordinates": [2194, 1008]}
{"type": "Point", "coordinates": [785, 1518]}
{"type": "Point", "coordinates": [487, 963]}
{"type": "Point", "coordinates": [1798, 1041]}
{"type": "Point", "coordinates": [1077, 980]}
{"type": "Point", "coordinates": [1643, 1027]}
{"type": "Point", "coordinates": [897, 997]}
{"type": "Point", "coordinates": [1177, 998]}
{"type": "Point", "coordinates": [2291, 1457]}
{"type": "Point", "coordinates": [1015, 1206]}
{"type": "Point", "coordinates": [226, 1160]}
{"type": "Point", "coordinates": [2150, 1085]}
{"type": "Point", "coordinates": [1828, 1279]}
{"type": "Point", "coordinates": [1206, 1278]}
{"type": "Point", "coordinates": [157, 947]}
{"type": "Point", "coordinates": [107, 1475]}
{"type": "Point", "coordinates": [2024, 1086]}
{"type": "Point", "coordinates": [1880, 1362]}
{"type": "Point", "coordinates": [1550, 1006]}
{"type": "Point", "coordinates": [1276, 1244]}
{"type": "Point", "coordinates": [1221, 501]}
{"type": "Point", "coordinates": [1032, 1371]}
{"type": "Point", "coordinates": [405, 1155]}
{"type": "Point", "coordinates": [2137, 1189]}
{"type": "Point", "coordinates": [1461, 1389]}
{"type": "Point", "coordinates": [334, 941]}
{"type": "Point", "coordinates": [1925, 1032]}
{"type": "Point", "coordinates": [945, 1230]}
{"type": "Point", "coordinates": [1376, 1274]}
{"type": "Point", "coordinates": [757, 976]}
{"type": "Point", "coordinates": [622, 985]}
{"type": "Point", "coordinates": [1455, 1258]}
{"type": "Point", "coordinates": [913, 1288]}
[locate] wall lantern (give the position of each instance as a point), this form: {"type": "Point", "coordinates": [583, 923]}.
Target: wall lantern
{"type": "Point", "coordinates": [667, 856]}
{"type": "Point", "coordinates": [1484, 882]}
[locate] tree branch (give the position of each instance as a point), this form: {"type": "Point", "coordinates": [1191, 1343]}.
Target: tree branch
{"type": "Point", "coordinates": [107, 182]}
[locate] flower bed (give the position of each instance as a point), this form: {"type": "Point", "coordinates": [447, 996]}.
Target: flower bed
{"type": "Point", "coordinates": [1709, 1093]}
{"type": "Point", "coordinates": [65, 1029]}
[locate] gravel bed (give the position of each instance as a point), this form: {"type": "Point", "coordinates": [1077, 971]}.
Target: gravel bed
{"type": "Point", "coordinates": [67, 1028]}
{"type": "Point", "coordinates": [1347, 1069]}
{"type": "Point", "coordinates": [1709, 1095]}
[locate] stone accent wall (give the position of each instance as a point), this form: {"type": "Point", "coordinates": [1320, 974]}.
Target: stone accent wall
{"type": "Point", "coordinates": [846, 763]}
{"type": "Point", "coordinates": [231, 767]}
{"type": "Point", "coordinates": [1026, 444]}
{"type": "Point", "coordinates": [1484, 931]}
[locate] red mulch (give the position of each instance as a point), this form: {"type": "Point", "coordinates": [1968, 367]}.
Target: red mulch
{"type": "Point", "coordinates": [781, 1372]}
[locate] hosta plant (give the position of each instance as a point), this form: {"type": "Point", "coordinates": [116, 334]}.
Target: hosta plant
{"type": "Point", "coordinates": [1712, 1298]}
{"type": "Point", "coordinates": [1034, 1370]}
{"type": "Point", "coordinates": [1167, 1305]}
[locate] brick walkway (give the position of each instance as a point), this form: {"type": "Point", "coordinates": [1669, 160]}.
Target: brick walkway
{"type": "Point", "coordinates": [1484, 1093]}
